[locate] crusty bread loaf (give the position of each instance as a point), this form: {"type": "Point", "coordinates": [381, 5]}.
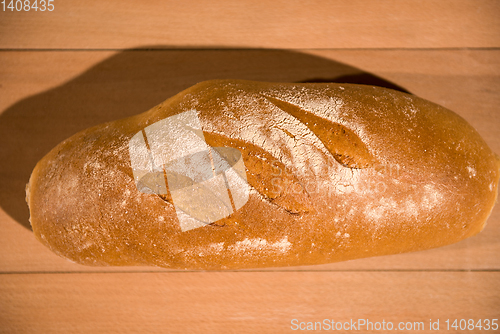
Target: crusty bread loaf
{"type": "Point", "coordinates": [297, 174]}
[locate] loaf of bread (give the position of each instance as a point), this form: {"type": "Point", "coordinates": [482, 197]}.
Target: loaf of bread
{"type": "Point", "coordinates": [237, 174]}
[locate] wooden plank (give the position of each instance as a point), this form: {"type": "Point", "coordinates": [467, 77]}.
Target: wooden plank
{"type": "Point", "coordinates": [47, 96]}
{"type": "Point", "coordinates": [241, 302]}
{"type": "Point", "coordinates": [253, 23]}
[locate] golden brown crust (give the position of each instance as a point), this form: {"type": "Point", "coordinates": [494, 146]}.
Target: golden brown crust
{"type": "Point", "coordinates": [336, 172]}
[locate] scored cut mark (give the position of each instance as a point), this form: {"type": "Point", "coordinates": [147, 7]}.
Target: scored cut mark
{"type": "Point", "coordinates": [171, 157]}
{"type": "Point", "coordinates": [343, 144]}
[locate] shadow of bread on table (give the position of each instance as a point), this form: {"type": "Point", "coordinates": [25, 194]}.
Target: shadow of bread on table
{"type": "Point", "coordinates": [131, 82]}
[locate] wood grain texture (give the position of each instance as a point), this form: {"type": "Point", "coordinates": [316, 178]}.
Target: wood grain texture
{"type": "Point", "coordinates": [253, 23]}
{"type": "Point", "coordinates": [239, 302]}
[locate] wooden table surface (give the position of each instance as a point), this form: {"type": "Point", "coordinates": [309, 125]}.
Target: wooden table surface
{"type": "Point", "coordinates": [87, 62]}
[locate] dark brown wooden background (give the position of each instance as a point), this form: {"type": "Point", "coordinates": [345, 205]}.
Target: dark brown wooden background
{"type": "Point", "coordinates": [88, 62]}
